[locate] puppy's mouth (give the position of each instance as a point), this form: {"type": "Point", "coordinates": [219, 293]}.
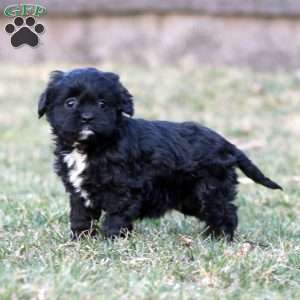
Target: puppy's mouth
{"type": "Point", "coordinates": [85, 133]}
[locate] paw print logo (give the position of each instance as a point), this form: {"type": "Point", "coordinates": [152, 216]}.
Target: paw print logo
{"type": "Point", "coordinates": [24, 32]}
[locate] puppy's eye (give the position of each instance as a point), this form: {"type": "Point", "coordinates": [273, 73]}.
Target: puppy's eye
{"type": "Point", "coordinates": [70, 103]}
{"type": "Point", "coordinates": [101, 103]}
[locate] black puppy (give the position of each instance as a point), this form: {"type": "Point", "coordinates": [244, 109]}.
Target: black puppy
{"type": "Point", "coordinates": [133, 168]}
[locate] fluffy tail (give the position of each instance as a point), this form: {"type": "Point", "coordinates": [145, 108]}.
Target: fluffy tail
{"type": "Point", "coordinates": [250, 170]}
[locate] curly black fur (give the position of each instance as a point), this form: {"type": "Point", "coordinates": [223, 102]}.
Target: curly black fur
{"type": "Point", "coordinates": [133, 168]}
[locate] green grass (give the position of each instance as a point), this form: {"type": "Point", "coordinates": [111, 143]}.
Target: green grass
{"type": "Point", "coordinates": [166, 258]}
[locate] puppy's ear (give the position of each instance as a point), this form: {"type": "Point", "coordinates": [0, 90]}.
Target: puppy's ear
{"type": "Point", "coordinates": [126, 98]}
{"type": "Point", "coordinates": [45, 98]}
{"type": "Point", "coordinates": [112, 76]}
{"type": "Point", "coordinates": [127, 101]}
{"type": "Point", "coordinates": [42, 106]}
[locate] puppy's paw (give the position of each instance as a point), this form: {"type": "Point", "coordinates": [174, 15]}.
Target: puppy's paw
{"type": "Point", "coordinates": [114, 233]}
{"type": "Point", "coordinates": [77, 235]}
{"type": "Point", "coordinates": [219, 234]}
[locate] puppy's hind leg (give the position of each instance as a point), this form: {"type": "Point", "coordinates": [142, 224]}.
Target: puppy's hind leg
{"type": "Point", "coordinates": [222, 221]}
{"type": "Point", "coordinates": [211, 202]}
{"type": "Point", "coordinates": [220, 214]}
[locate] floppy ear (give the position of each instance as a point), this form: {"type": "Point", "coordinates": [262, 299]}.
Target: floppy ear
{"type": "Point", "coordinates": [112, 76]}
{"type": "Point", "coordinates": [44, 99]}
{"type": "Point", "coordinates": [127, 101]}
{"type": "Point", "coordinates": [126, 97]}
{"type": "Point", "coordinates": [42, 106]}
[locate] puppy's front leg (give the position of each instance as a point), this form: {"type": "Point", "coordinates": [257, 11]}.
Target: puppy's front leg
{"type": "Point", "coordinates": [82, 218]}
{"type": "Point", "coordinates": [116, 225]}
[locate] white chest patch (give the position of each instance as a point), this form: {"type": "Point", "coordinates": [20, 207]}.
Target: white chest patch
{"type": "Point", "coordinates": [77, 163]}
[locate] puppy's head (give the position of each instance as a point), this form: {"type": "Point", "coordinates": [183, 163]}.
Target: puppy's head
{"type": "Point", "coordinates": [84, 103]}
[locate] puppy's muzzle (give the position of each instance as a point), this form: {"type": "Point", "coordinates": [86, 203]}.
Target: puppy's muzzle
{"type": "Point", "coordinates": [86, 118]}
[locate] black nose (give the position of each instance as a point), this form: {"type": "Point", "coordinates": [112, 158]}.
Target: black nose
{"type": "Point", "coordinates": [87, 117]}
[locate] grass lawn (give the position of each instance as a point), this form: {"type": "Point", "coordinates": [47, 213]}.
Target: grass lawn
{"type": "Point", "coordinates": [166, 258]}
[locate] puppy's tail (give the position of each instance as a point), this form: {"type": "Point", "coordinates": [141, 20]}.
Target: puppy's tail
{"type": "Point", "coordinates": [253, 172]}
